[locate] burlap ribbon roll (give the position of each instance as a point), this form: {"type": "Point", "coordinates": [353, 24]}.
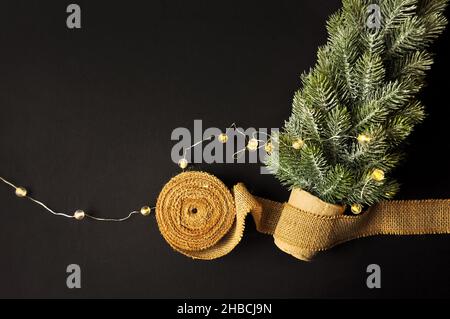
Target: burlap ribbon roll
{"type": "Point", "coordinates": [199, 217]}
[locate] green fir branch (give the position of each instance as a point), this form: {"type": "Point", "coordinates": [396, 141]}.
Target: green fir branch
{"type": "Point", "coordinates": [358, 105]}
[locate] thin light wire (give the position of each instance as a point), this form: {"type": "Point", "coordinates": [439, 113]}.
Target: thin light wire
{"type": "Point", "coordinates": [47, 208]}
{"type": "Point", "coordinates": [8, 183]}
{"type": "Point", "coordinates": [195, 144]}
{"type": "Point", "coordinates": [5, 181]}
{"type": "Point", "coordinates": [237, 129]}
{"type": "Point", "coordinates": [114, 219]}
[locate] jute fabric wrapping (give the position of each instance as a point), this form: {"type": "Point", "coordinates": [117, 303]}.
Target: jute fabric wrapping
{"type": "Point", "coordinates": [200, 218]}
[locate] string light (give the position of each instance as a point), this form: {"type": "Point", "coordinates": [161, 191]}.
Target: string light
{"type": "Point", "coordinates": [21, 192]}
{"type": "Point", "coordinates": [79, 215]}
{"type": "Point", "coordinates": [145, 211]}
{"type": "Point", "coordinates": [223, 138]}
{"type": "Point", "coordinates": [268, 148]}
{"type": "Point", "coordinates": [377, 175]}
{"type": "Point", "coordinates": [356, 209]}
{"type": "Point", "coordinates": [253, 144]}
{"type": "Point", "coordinates": [183, 163]}
{"type": "Point", "coordinates": [298, 144]}
{"type": "Point", "coordinates": [363, 138]}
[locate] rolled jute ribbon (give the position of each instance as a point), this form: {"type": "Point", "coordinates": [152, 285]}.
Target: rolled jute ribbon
{"type": "Point", "coordinates": [199, 217]}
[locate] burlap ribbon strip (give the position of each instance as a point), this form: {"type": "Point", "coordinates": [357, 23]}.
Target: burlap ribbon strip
{"type": "Point", "coordinates": [199, 217]}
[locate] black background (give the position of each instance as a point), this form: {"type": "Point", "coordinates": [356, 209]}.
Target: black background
{"type": "Point", "coordinates": [85, 122]}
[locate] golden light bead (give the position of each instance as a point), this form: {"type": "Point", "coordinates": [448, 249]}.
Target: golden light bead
{"type": "Point", "coordinates": [363, 138]}
{"type": "Point", "coordinates": [268, 148]}
{"type": "Point", "coordinates": [356, 209]}
{"type": "Point", "coordinates": [223, 138]}
{"type": "Point", "coordinates": [183, 163]}
{"type": "Point", "coordinates": [21, 192]}
{"type": "Point", "coordinates": [79, 215]}
{"type": "Point", "coordinates": [252, 144]}
{"type": "Point", "coordinates": [298, 144]}
{"type": "Point", "coordinates": [145, 211]}
{"type": "Point", "coordinates": [377, 175]}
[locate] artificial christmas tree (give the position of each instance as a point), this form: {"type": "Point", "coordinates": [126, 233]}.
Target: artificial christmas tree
{"type": "Point", "coordinates": [359, 103]}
